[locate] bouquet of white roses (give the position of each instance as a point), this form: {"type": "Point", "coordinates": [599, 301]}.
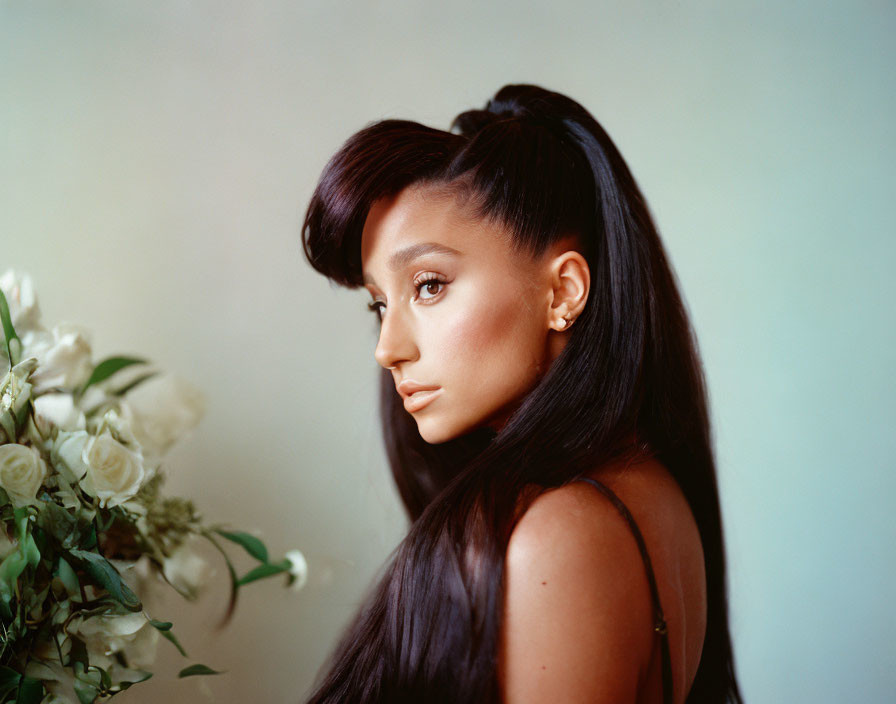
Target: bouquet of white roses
{"type": "Point", "coordinates": [83, 523]}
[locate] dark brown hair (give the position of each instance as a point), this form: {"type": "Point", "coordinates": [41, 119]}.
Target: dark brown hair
{"type": "Point", "coordinates": [539, 164]}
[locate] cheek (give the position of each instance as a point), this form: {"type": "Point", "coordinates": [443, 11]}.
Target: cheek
{"type": "Point", "coordinates": [496, 344]}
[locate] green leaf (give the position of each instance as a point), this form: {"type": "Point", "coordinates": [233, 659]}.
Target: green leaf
{"type": "Point", "coordinates": [198, 670]}
{"type": "Point", "coordinates": [106, 576]}
{"type": "Point", "coordinates": [9, 332]}
{"type": "Point", "coordinates": [87, 693]}
{"type": "Point", "coordinates": [78, 655]}
{"type": "Point", "coordinates": [87, 683]}
{"type": "Point", "coordinates": [32, 554]}
{"type": "Point", "coordinates": [108, 367]}
{"type": "Point", "coordinates": [250, 543]}
{"type": "Point", "coordinates": [20, 517]}
{"type": "Point", "coordinates": [105, 679]}
{"type": "Point", "coordinates": [262, 571]}
{"type": "Point", "coordinates": [103, 524]}
{"type": "Point", "coordinates": [6, 614]}
{"type": "Point", "coordinates": [27, 547]}
{"type": "Point", "coordinates": [40, 540]}
{"type": "Point", "coordinates": [89, 540]}
{"type": "Point", "coordinates": [164, 627]}
{"type": "Point", "coordinates": [8, 432]}
{"type": "Point", "coordinates": [31, 691]}
{"type": "Point", "coordinates": [128, 683]}
{"type": "Point", "coordinates": [60, 523]}
{"type": "Point", "coordinates": [12, 566]}
{"type": "Point", "coordinates": [9, 680]}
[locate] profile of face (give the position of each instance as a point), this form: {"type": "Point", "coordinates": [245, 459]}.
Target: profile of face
{"type": "Point", "coordinates": [467, 325]}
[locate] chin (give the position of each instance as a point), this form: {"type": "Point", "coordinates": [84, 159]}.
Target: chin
{"type": "Point", "coordinates": [435, 431]}
{"type": "Point", "coordinates": [434, 434]}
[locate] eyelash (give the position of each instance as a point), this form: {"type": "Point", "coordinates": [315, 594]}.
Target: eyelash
{"type": "Point", "coordinates": [375, 306]}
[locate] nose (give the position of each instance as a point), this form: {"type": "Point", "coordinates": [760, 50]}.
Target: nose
{"type": "Point", "coordinates": [396, 343]}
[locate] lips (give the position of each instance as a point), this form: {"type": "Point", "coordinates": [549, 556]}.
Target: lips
{"type": "Point", "coordinates": [417, 395]}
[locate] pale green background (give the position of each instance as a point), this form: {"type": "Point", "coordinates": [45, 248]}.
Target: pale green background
{"type": "Point", "coordinates": [156, 159]}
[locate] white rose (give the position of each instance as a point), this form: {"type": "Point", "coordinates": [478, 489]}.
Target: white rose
{"type": "Point", "coordinates": [57, 679]}
{"type": "Point", "coordinates": [47, 666]}
{"type": "Point", "coordinates": [120, 420]}
{"type": "Point", "coordinates": [58, 410]}
{"type": "Point", "coordinates": [22, 471]}
{"type": "Point", "coordinates": [162, 409]}
{"type": "Point", "coordinates": [105, 636]}
{"type": "Point", "coordinates": [298, 568]}
{"type": "Point", "coordinates": [67, 454]}
{"type": "Point", "coordinates": [185, 571]}
{"type": "Point", "coordinates": [114, 473]}
{"type": "Point", "coordinates": [144, 579]}
{"type": "Point", "coordinates": [141, 650]}
{"type": "Point", "coordinates": [109, 633]}
{"type": "Point", "coordinates": [96, 395]}
{"type": "Point", "coordinates": [63, 357]}
{"type": "Point", "coordinates": [23, 307]}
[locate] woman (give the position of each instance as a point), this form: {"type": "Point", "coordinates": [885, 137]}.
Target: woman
{"type": "Point", "coordinates": [544, 415]}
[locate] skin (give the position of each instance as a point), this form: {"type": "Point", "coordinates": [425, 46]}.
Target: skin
{"type": "Point", "coordinates": [578, 614]}
{"type": "Point", "coordinates": [483, 324]}
{"type": "Point", "coordinates": [486, 330]}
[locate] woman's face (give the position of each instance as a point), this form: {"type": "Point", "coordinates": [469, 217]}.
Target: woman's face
{"type": "Point", "coordinates": [462, 317]}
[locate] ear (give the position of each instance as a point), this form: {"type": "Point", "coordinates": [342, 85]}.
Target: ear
{"type": "Point", "coordinates": [570, 281]}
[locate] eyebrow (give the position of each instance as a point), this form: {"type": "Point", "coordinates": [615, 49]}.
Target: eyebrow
{"type": "Point", "coordinates": [405, 256]}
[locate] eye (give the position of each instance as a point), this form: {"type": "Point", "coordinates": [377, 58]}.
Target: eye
{"type": "Point", "coordinates": [428, 282]}
{"type": "Point", "coordinates": [377, 308]}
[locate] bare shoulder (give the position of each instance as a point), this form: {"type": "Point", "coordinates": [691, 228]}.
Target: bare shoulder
{"type": "Point", "coordinates": [578, 612]}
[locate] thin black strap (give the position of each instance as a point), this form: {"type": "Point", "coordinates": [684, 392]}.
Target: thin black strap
{"type": "Point", "coordinates": [659, 619]}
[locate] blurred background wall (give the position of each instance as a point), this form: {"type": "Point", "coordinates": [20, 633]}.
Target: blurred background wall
{"type": "Point", "coordinates": [156, 159]}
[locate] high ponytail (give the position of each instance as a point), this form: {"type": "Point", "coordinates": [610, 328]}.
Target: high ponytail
{"type": "Point", "coordinates": [537, 163]}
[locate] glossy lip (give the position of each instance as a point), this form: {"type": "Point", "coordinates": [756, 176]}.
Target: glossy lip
{"type": "Point", "coordinates": [417, 395]}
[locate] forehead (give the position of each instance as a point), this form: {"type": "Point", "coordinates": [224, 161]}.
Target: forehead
{"type": "Point", "coordinates": [418, 216]}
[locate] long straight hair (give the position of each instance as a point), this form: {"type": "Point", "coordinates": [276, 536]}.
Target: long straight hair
{"type": "Point", "coordinates": [539, 165]}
